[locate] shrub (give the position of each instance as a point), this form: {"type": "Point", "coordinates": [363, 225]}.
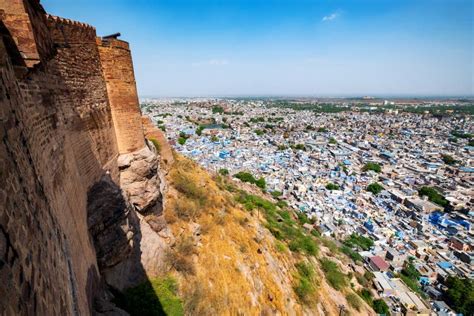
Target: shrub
{"type": "Point", "coordinates": [322, 130]}
{"type": "Point", "coordinates": [248, 177]}
{"type": "Point", "coordinates": [375, 188]}
{"type": "Point", "coordinates": [156, 144]}
{"type": "Point", "coordinates": [259, 132]}
{"type": "Point", "coordinates": [380, 307]}
{"type": "Point", "coordinates": [330, 244]}
{"type": "Point", "coordinates": [223, 171]}
{"type": "Point", "coordinates": [354, 301]}
{"type": "Point", "coordinates": [332, 140]}
{"type": "Point", "coordinates": [351, 254]}
{"type": "Point", "coordinates": [334, 276]}
{"type": "Point", "coordinates": [366, 296]}
{"type": "Point", "coordinates": [356, 240]}
{"type": "Point", "coordinates": [280, 247]}
{"type": "Point", "coordinates": [304, 287]}
{"type": "Point", "coordinates": [179, 262]}
{"type": "Point", "coordinates": [181, 140]}
{"type": "Point", "coordinates": [372, 166]}
{"type": "Point", "coordinates": [186, 209]}
{"type": "Point", "coordinates": [276, 193]}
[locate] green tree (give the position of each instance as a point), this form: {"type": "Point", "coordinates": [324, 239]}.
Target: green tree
{"type": "Point", "coordinates": [331, 186]}
{"type": "Point", "coordinates": [332, 140]}
{"type": "Point", "coordinates": [372, 166]}
{"type": "Point", "coordinates": [434, 196]}
{"type": "Point", "coordinates": [449, 160]}
{"type": "Point", "coordinates": [375, 188]}
{"type": "Point", "coordinates": [460, 294]}
{"type": "Point", "coordinates": [380, 307]}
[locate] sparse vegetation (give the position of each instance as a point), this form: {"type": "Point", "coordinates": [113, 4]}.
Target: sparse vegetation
{"type": "Point", "coordinates": [280, 223]}
{"type": "Point", "coordinates": [248, 177]}
{"type": "Point", "coordinates": [156, 144]}
{"type": "Point", "coordinates": [334, 276]}
{"type": "Point", "coordinates": [354, 301]}
{"type": "Point", "coordinates": [305, 287]}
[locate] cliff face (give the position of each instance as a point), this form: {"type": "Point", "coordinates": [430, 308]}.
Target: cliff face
{"type": "Point", "coordinates": [70, 170]}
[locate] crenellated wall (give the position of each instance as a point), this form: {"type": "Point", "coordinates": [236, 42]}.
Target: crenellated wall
{"type": "Point", "coordinates": [61, 206]}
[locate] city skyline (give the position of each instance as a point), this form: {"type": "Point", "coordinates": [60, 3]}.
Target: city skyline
{"type": "Point", "coordinates": [282, 48]}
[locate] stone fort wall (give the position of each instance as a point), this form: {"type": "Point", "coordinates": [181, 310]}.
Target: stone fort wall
{"type": "Point", "coordinates": [60, 136]}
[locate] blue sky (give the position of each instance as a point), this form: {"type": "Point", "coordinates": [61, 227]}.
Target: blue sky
{"type": "Point", "coordinates": [290, 47]}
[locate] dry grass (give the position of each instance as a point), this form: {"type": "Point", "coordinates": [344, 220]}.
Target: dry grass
{"type": "Point", "coordinates": [229, 273]}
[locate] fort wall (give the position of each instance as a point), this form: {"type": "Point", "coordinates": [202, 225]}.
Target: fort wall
{"type": "Point", "coordinates": [118, 72]}
{"type": "Point", "coordinates": [59, 143]}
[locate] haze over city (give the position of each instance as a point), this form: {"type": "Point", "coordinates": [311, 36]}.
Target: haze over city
{"type": "Point", "coordinates": [317, 48]}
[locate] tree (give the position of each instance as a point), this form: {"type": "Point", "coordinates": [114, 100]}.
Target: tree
{"type": "Point", "coordinates": [322, 130]}
{"type": "Point", "coordinates": [332, 140]}
{"type": "Point", "coordinates": [434, 196]}
{"type": "Point", "coordinates": [375, 188]}
{"type": "Point", "coordinates": [460, 294]}
{"type": "Point", "coordinates": [372, 166]}
{"type": "Point", "coordinates": [380, 307]}
{"type": "Point", "coordinates": [331, 186]}
{"type": "Point", "coordinates": [447, 159]}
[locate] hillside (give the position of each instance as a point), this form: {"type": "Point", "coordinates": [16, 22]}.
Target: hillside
{"type": "Point", "coordinates": [226, 261]}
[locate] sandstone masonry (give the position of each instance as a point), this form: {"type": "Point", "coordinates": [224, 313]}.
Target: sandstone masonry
{"type": "Point", "coordinates": [68, 111]}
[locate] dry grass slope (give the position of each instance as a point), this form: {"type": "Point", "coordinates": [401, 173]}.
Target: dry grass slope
{"type": "Point", "coordinates": [226, 260]}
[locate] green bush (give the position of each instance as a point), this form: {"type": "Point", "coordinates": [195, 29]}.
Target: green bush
{"type": "Point", "coordinates": [375, 188]}
{"type": "Point", "coordinates": [181, 140]}
{"type": "Point", "coordinates": [259, 132]}
{"type": "Point", "coordinates": [334, 276]}
{"type": "Point", "coordinates": [223, 171]}
{"type": "Point", "coordinates": [351, 254]}
{"type": "Point", "coordinates": [248, 177]}
{"type": "Point", "coordinates": [322, 130]}
{"type": "Point", "coordinates": [332, 140]}
{"type": "Point", "coordinates": [372, 166]}
{"type": "Point", "coordinates": [367, 296]}
{"type": "Point", "coordinates": [153, 297]}
{"type": "Point", "coordinates": [276, 193]}
{"type": "Point", "coordinates": [356, 240]}
{"type": "Point", "coordinates": [380, 307]}
{"type": "Point", "coordinates": [304, 287]}
{"type": "Point", "coordinates": [217, 109]}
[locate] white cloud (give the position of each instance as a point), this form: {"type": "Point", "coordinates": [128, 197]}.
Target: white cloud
{"type": "Point", "coordinates": [330, 17]}
{"type": "Point", "coordinates": [212, 62]}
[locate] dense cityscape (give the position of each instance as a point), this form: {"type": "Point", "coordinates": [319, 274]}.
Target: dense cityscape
{"type": "Point", "coordinates": [390, 180]}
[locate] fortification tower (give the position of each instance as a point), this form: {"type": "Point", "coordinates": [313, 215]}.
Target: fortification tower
{"type": "Point", "coordinates": [117, 67]}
